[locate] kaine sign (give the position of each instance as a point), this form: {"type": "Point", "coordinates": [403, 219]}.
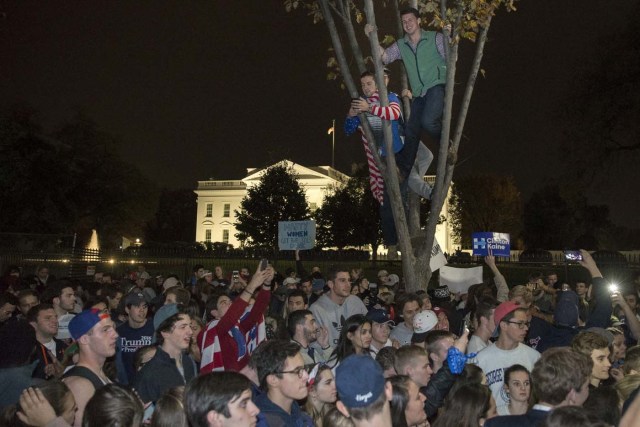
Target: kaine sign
{"type": "Point", "coordinates": [498, 243]}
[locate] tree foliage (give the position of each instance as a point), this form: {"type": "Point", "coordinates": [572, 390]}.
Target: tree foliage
{"type": "Point", "coordinates": [175, 219]}
{"type": "Point", "coordinates": [68, 181]}
{"type": "Point", "coordinates": [601, 112]}
{"type": "Point", "coordinates": [560, 218]}
{"type": "Point", "coordinates": [349, 216]}
{"type": "Point", "coordinates": [277, 197]}
{"type": "Point", "coordinates": [485, 202]}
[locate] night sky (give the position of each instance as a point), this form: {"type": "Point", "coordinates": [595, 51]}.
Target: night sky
{"type": "Point", "coordinates": [204, 89]}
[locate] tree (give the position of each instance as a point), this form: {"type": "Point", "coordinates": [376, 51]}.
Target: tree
{"type": "Point", "coordinates": [559, 218]}
{"type": "Point", "coordinates": [485, 202]}
{"type": "Point", "coordinates": [601, 112]}
{"type": "Point", "coordinates": [277, 197]}
{"type": "Point", "coordinates": [459, 19]}
{"type": "Point", "coordinates": [175, 219]}
{"type": "Point", "coordinates": [349, 217]}
{"type": "Point", "coordinates": [68, 181]}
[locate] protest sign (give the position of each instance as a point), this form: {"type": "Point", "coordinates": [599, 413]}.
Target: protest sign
{"type": "Point", "coordinates": [498, 243]}
{"type": "Point", "coordinates": [460, 279]}
{"type": "Point", "coordinates": [437, 256]}
{"type": "Point", "coordinates": [294, 235]}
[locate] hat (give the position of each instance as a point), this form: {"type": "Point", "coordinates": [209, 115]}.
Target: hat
{"type": "Point", "coordinates": [382, 273]}
{"type": "Point", "coordinates": [163, 314]}
{"type": "Point", "coordinates": [317, 284]}
{"type": "Point", "coordinates": [502, 310]}
{"type": "Point", "coordinates": [393, 280]}
{"type": "Point", "coordinates": [441, 293]}
{"type": "Point", "coordinates": [170, 282]}
{"type": "Point", "coordinates": [566, 312]}
{"type": "Point", "coordinates": [290, 281]}
{"type": "Point", "coordinates": [135, 298]}
{"type": "Point", "coordinates": [423, 322]}
{"type": "Point", "coordinates": [359, 381]}
{"type": "Point", "coordinates": [83, 322]}
{"type": "Point", "coordinates": [380, 315]}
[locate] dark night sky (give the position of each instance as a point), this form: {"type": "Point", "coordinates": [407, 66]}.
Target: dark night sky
{"type": "Point", "coordinates": [205, 89]}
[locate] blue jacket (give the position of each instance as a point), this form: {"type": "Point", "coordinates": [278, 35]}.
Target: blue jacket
{"type": "Point", "coordinates": [271, 415]}
{"type": "Point", "coordinates": [161, 373]}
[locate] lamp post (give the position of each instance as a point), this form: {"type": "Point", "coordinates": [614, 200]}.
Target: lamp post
{"type": "Point", "coordinates": [332, 131]}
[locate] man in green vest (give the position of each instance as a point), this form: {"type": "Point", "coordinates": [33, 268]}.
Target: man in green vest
{"type": "Point", "coordinates": [423, 55]}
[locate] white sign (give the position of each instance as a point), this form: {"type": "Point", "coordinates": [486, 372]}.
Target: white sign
{"type": "Point", "coordinates": [460, 279]}
{"type": "Point", "coordinates": [437, 256]}
{"type": "Point", "coordinates": [294, 235]}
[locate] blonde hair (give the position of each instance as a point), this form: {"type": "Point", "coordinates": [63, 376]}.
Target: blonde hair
{"type": "Point", "coordinates": [521, 291]}
{"type": "Point", "coordinates": [627, 385]}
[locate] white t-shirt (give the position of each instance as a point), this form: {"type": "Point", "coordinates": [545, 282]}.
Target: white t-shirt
{"type": "Point", "coordinates": [476, 344]}
{"type": "Point", "coordinates": [63, 326]}
{"type": "Point", "coordinates": [493, 362]}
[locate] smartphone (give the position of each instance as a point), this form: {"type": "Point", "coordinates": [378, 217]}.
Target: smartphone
{"type": "Point", "coordinates": [572, 256]}
{"type": "Point", "coordinates": [613, 289]}
{"type": "Point", "coordinates": [235, 275]}
{"type": "Point", "coordinates": [264, 263]}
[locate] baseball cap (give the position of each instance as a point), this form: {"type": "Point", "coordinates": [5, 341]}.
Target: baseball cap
{"type": "Point", "coordinates": [317, 284]}
{"type": "Point", "coordinates": [170, 282]}
{"type": "Point", "coordinates": [393, 280]}
{"type": "Point", "coordinates": [135, 298]}
{"type": "Point", "coordinates": [382, 273]}
{"type": "Point", "coordinates": [84, 321]}
{"type": "Point", "coordinates": [380, 315]}
{"type": "Point", "coordinates": [290, 281]}
{"type": "Point", "coordinates": [359, 381]}
{"type": "Point", "coordinates": [423, 322]}
{"type": "Point", "coordinates": [501, 311]}
{"type": "Point", "coordinates": [163, 314]}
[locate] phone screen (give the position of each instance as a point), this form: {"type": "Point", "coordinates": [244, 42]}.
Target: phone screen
{"type": "Point", "coordinates": [572, 256]}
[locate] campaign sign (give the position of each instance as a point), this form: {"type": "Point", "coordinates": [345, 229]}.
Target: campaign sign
{"type": "Point", "coordinates": [499, 244]}
{"type": "Point", "coordinates": [294, 235]}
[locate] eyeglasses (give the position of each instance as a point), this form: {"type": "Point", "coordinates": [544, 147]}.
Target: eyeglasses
{"type": "Point", "coordinates": [521, 325]}
{"type": "Point", "coordinates": [299, 371]}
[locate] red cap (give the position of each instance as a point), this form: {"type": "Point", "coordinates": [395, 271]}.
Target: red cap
{"type": "Point", "coordinates": [504, 309]}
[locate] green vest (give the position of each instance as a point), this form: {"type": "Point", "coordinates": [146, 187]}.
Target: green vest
{"type": "Point", "coordinates": [425, 67]}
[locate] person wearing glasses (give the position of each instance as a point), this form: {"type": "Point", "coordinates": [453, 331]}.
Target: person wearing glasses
{"type": "Point", "coordinates": [283, 381]}
{"type": "Point", "coordinates": [511, 325]}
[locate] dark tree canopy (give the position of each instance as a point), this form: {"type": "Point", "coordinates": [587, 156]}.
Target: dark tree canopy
{"type": "Point", "coordinates": [556, 218]}
{"type": "Point", "coordinates": [67, 181]}
{"type": "Point", "coordinates": [175, 219]}
{"type": "Point", "coordinates": [277, 197]}
{"type": "Point", "coordinates": [485, 202]}
{"type": "Point", "coordinates": [349, 216]}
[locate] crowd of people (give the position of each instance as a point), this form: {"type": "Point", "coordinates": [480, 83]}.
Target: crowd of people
{"type": "Point", "coordinates": [316, 349]}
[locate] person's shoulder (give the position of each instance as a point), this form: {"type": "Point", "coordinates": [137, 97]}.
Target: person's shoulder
{"type": "Point", "coordinates": [529, 351]}
{"type": "Point", "coordinates": [79, 385]}
{"type": "Point", "coordinates": [525, 420]}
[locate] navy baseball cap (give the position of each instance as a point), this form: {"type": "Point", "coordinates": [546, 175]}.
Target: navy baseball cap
{"type": "Point", "coordinates": [359, 381]}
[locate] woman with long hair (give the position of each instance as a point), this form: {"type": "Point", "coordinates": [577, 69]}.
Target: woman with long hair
{"type": "Point", "coordinates": [407, 403]}
{"type": "Point", "coordinates": [322, 392]}
{"type": "Point", "coordinates": [470, 406]}
{"type": "Point", "coordinates": [517, 385]}
{"type": "Point", "coordinates": [355, 338]}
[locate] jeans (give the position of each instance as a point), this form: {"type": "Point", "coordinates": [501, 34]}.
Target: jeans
{"type": "Point", "coordinates": [389, 233]}
{"type": "Point", "coordinates": [426, 113]}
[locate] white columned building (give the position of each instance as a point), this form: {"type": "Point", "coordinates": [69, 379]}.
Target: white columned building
{"type": "Point", "coordinates": [219, 199]}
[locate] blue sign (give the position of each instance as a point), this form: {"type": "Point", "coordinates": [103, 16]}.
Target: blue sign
{"type": "Point", "coordinates": [498, 243]}
{"type": "Point", "coordinates": [294, 235]}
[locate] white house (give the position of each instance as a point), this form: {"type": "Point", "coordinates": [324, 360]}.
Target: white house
{"type": "Point", "coordinates": [217, 201]}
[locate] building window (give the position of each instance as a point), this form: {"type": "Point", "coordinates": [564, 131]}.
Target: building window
{"type": "Point", "coordinates": [313, 207]}
{"type": "Point", "coordinates": [225, 236]}
{"type": "Point", "coordinates": [207, 235]}
{"type": "Point", "coordinates": [227, 210]}
{"type": "Point", "coordinates": [209, 210]}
